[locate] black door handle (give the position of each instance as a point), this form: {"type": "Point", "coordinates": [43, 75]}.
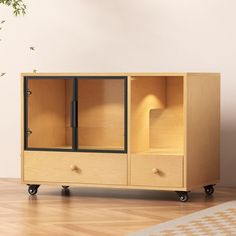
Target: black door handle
{"type": "Point", "coordinates": [73, 114]}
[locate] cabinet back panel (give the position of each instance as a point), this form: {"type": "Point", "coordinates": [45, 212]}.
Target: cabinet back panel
{"type": "Point", "coordinates": [68, 94]}
{"type": "Point", "coordinates": [166, 125]}
{"type": "Point", "coordinates": [101, 113]}
{"type": "Point", "coordinates": [146, 93]}
{"type": "Point", "coordinates": [47, 113]}
{"type": "Point", "coordinates": [157, 114]}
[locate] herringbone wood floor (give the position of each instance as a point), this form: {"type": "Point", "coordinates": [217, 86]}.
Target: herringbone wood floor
{"type": "Point", "coordinates": [94, 212]}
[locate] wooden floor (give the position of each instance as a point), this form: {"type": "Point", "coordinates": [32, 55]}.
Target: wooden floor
{"type": "Point", "coordinates": [94, 212]}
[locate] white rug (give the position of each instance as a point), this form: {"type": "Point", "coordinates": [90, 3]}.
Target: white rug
{"type": "Point", "coordinates": [218, 221]}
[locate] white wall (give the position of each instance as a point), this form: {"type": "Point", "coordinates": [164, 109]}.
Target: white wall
{"type": "Point", "coordinates": [117, 35]}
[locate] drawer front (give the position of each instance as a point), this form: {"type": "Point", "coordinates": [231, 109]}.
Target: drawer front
{"type": "Point", "coordinates": [75, 168]}
{"type": "Point", "coordinates": [159, 171]}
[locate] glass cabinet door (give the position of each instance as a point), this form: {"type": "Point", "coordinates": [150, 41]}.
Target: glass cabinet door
{"type": "Point", "coordinates": [85, 114]}
{"type": "Point", "coordinates": [47, 113]}
{"type": "Point", "coordinates": [102, 114]}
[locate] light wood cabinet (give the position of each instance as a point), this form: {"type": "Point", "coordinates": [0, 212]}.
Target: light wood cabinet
{"type": "Point", "coordinates": [121, 130]}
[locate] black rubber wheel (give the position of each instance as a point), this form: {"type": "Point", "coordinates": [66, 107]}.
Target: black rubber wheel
{"type": "Point", "coordinates": [209, 190]}
{"type": "Point", "coordinates": [33, 189]}
{"type": "Point", "coordinates": [183, 196]}
{"type": "Point", "coordinates": [65, 187]}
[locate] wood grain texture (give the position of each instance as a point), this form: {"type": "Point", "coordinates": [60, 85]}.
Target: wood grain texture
{"type": "Point", "coordinates": [147, 93]}
{"type": "Point", "coordinates": [45, 168]}
{"type": "Point", "coordinates": [166, 125]}
{"type": "Point", "coordinates": [189, 119]}
{"type": "Point", "coordinates": [46, 113]}
{"type": "Point", "coordinates": [203, 129]}
{"type": "Point", "coordinates": [93, 212]}
{"type": "Point", "coordinates": [88, 168]}
{"type": "Point", "coordinates": [110, 74]}
{"type": "Point", "coordinates": [101, 113]}
{"type": "Point", "coordinates": [169, 170]}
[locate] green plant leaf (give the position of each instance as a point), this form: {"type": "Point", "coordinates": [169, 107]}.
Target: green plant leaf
{"type": "Point", "coordinates": [19, 8]}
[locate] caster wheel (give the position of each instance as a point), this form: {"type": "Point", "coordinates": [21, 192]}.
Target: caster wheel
{"type": "Point", "coordinates": [65, 187]}
{"type": "Point", "coordinates": [209, 190]}
{"type": "Point", "coordinates": [33, 189]}
{"type": "Point", "coordinates": [183, 196]}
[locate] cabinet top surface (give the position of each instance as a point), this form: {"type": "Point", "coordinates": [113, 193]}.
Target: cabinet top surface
{"type": "Point", "coordinates": [121, 74]}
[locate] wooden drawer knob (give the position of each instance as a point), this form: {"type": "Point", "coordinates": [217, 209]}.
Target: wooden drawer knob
{"type": "Point", "coordinates": [74, 168]}
{"type": "Point", "coordinates": [155, 171]}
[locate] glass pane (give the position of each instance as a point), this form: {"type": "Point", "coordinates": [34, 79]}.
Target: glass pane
{"type": "Point", "coordinates": [101, 114]}
{"type": "Point", "coordinates": [49, 113]}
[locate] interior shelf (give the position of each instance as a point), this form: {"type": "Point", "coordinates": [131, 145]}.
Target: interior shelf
{"type": "Point", "coordinates": [101, 147]}
{"type": "Point", "coordinates": [161, 151]}
{"type": "Point", "coordinates": [91, 147]}
{"type": "Point", "coordinates": [151, 151]}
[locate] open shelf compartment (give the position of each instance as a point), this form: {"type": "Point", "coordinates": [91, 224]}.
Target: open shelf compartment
{"type": "Point", "coordinates": [157, 119]}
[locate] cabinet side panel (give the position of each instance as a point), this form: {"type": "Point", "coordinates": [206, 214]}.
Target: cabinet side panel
{"type": "Point", "coordinates": [203, 129]}
{"type": "Point", "coordinates": [22, 124]}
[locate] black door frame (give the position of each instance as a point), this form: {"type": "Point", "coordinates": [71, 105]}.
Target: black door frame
{"type": "Point", "coordinates": [74, 117]}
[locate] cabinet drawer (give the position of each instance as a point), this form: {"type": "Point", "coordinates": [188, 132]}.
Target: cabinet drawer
{"type": "Point", "coordinates": [75, 168]}
{"type": "Point", "coordinates": [155, 170]}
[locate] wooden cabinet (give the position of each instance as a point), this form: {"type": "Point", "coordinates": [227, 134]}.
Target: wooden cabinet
{"type": "Point", "coordinates": [124, 130]}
